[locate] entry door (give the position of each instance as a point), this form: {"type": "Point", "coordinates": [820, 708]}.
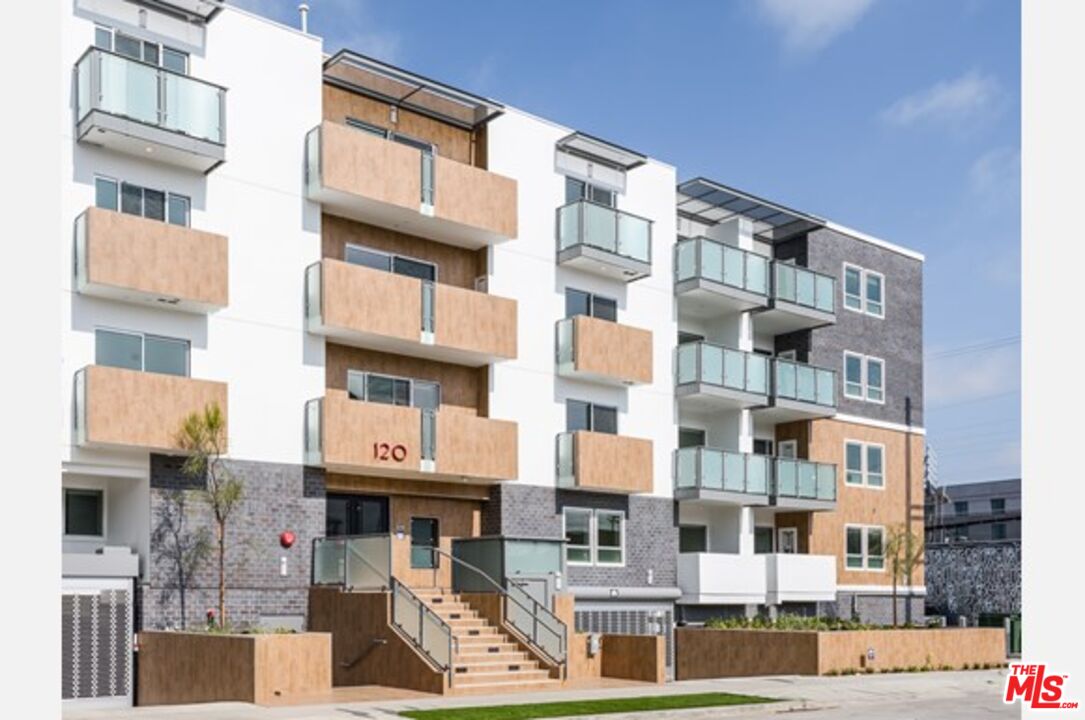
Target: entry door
{"type": "Point", "coordinates": [356, 515]}
{"type": "Point", "coordinates": [788, 540]}
{"type": "Point", "coordinates": [424, 535]}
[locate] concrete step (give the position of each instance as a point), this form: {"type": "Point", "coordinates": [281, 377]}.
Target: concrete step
{"type": "Point", "coordinates": [477, 631]}
{"type": "Point", "coordinates": [500, 688]}
{"type": "Point", "coordinates": [506, 676]}
{"type": "Point", "coordinates": [486, 645]}
{"type": "Point", "coordinates": [490, 667]}
{"type": "Point", "coordinates": [506, 656]}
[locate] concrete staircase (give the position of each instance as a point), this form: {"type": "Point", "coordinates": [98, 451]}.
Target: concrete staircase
{"type": "Point", "coordinates": [488, 660]}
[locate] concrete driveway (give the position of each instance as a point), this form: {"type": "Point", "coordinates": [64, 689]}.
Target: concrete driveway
{"type": "Point", "coordinates": [943, 695]}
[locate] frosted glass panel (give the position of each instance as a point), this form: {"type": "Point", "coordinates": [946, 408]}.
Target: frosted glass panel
{"type": "Point", "coordinates": [757, 374]}
{"type": "Point", "coordinates": [733, 266]}
{"type": "Point", "coordinates": [826, 293]}
{"type": "Point", "coordinates": [686, 467]}
{"type": "Point", "coordinates": [712, 364]}
{"type": "Point", "coordinates": [734, 472]}
{"type": "Point", "coordinates": [734, 369]}
{"type": "Point", "coordinates": [600, 227]}
{"type": "Point", "coordinates": [687, 362]}
{"type": "Point", "coordinates": [712, 469]}
{"type": "Point", "coordinates": [634, 235]}
{"type": "Point", "coordinates": [192, 107]}
{"type": "Point", "coordinates": [757, 274]}
{"type": "Point", "coordinates": [711, 261]}
{"type": "Point", "coordinates": [128, 88]}
{"type": "Point", "coordinates": [757, 474]}
{"type": "Point", "coordinates": [686, 260]}
{"type": "Point", "coordinates": [804, 287]}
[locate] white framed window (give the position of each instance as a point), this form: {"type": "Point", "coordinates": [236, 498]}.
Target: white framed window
{"type": "Point", "coordinates": [594, 537]}
{"type": "Point", "coordinates": [864, 547]}
{"type": "Point", "coordinates": [393, 390]}
{"type": "Point", "coordinates": [152, 53]}
{"type": "Point", "coordinates": [390, 262]}
{"type": "Point", "coordinates": [864, 290]}
{"type": "Point", "coordinates": [132, 199]}
{"type": "Point", "coordinates": [864, 464]}
{"type": "Point", "coordinates": [864, 377]}
{"type": "Point", "coordinates": [138, 351]}
{"type": "Point", "coordinates": [84, 513]}
{"type": "Point", "coordinates": [580, 190]}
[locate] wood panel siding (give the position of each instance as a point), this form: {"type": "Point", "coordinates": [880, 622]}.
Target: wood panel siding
{"type": "Point", "coordinates": [371, 302]}
{"type": "Point", "coordinates": [152, 260]}
{"type": "Point", "coordinates": [351, 429]}
{"type": "Point", "coordinates": [455, 519]}
{"type": "Point", "coordinates": [372, 485]}
{"type": "Point", "coordinates": [474, 197]}
{"type": "Point", "coordinates": [358, 163]}
{"type": "Point", "coordinates": [455, 265]}
{"type": "Point", "coordinates": [452, 142]}
{"type": "Point", "coordinates": [129, 408]}
{"type": "Point", "coordinates": [613, 463]}
{"type": "Point", "coordinates": [823, 441]}
{"type": "Point", "coordinates": [635, 657]}
{"type": "Point", "coordinates": [477, 447]}
{"type": "Point", "coordinates": [460, 386]}
{"type": "Point", "coordinates": [474, 321]}
{"type": "Point", "coordinates": [613, 350]}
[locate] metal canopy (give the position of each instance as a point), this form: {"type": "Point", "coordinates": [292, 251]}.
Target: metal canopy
{"type": "Point", "coordinates": [416, 93]}
{"type": "Point", "coordinates": [593, 148]}
{"type": "Point", "coordinates": [710, 202]}
{"type": "Point", "coordinates": [203, 10]}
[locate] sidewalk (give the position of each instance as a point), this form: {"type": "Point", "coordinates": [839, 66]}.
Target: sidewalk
{"type": "Point", "coordinates": [850, 696]}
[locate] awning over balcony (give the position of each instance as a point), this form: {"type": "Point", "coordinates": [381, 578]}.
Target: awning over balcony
{"type": "Point", "coordinates": [390, 84]}
{"type": "Point", "coordinates": [594, 148]}
{"type": "Point", "coordinates": [709, 202]}
{"type": "Point", "coordinates": [203, 10]}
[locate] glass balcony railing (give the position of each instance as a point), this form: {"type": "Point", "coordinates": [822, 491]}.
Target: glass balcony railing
{"type": "Point", "coordinates": [710, 469]}
{"type": "Point", "coordinates": [804, 480]}
{"type": "Point", "coordinates": [804, 383]}
{"type": "Point", "coordinates": [711, 260]}
{"type": "Point", "coordinates": [803, 286]}
{"type": "Point", "coordinates": [149, 94]}
{"type": "Point", "coordinates": [604, 228]}
{"type": "Point", "coordinates": [716, 365]}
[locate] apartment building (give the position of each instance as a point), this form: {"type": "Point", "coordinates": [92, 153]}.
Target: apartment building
{"type": "Point", "coordinates": [973, 512]}
{"type": "Point", "coordinates": [449, 335]}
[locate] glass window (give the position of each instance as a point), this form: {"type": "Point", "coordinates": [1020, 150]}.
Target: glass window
{"type": "Point", "coordinates": [175, 60]}
{"type": "Point", "coordinates": [762, 447]}
{"type": "Point", "coordinates": [368, 258]}
{"type": "Point", "coordinates": [103, 38]}
{"type": "Point", "coordinates": [854, 457]}
{"type": "Point", "coordinates": [574, 190]}
{"type": "Point", "coordinates": [117, 349]}
{"type": "Point", "coordinates": [165, 355]}
{"type": "Point", "coordinates": [105, 193]}
{"type": "Point", "coordinates": [83, 512]}
{"type": "Point", "coordinates": [427, 395]}
{"type": "Point", "coordinates": [998, 505]}
{"type": "Point", "coordinates": [762, 540]}
{"type": "Point", "coordinates": [367, 127]}
{"type": "Point", "coordinates": [356, 382]}
{"type": "Point", "coordinates": [577, 302]}
{"type": "Point", "coordinates": [853, 288]}
{"type": "Point", "coordinates": [577, 535]}
{"type": "Point", "coordinates": [414, 268]}
{"type": "Point", "coordinates": [388, 390]}
{"type": "Point", "coordinates": [960, 507]}
{"type": "Point", "coordinates": [150, 53]}
{"type": "Point", "coordinates": [874, 380]}
{"type": "Point", "coordinates": [874, 294]}
{"type": "Point", "coordinates": [424, 537]}
{"type": "Point", "coordinates": [692, 538]}
{"type": "Point", "coordinates": [854, 550]}
{"type": "Point", "coordinates": [608, 534]}
{"type": "Point", "coordinates": [604, 308]}
{"type": "Point", "coordinates": [125, 45]}
{"type": "Point", "coordinates": [178, 210]}
{"type": "Point", "coordinates": [154, 204]}
{"type": "Point", "coordinates": [875, 555]}
{"type": "Point", "coordinates": [604, 419]}
{"type": "Point", "coordinates": [875, 476]}
{"type": "Point", "coordinates": [853, 376]}
{"type": "Point", "coordinates": [601, 196]}
{"type": "Point", "coordinates": [998, 531]}
{"type": "Point", "coordinates": [577, 415]}
{"type": "Point", "coordinates": [131, 199]}
{"type": "Point", "coordinates": [690, 437]}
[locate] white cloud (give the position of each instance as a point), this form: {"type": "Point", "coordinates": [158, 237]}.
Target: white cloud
{"type": "Point", "coordinates": [810, 25]}
{"type": "Point", "coordinates": [948, 102]}
{"type": "Point", "coordinates": [996, 175]}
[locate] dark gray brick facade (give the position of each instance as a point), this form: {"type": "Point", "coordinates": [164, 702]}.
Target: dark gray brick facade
{"type": "Point", "coordinates": [651, 530]}
{"type": "Point", "coordinates": [897, 338]}
{"type": "Point", "coordinates": [972, 578]}
{"type": "Point", "coordinates": [276, 498]}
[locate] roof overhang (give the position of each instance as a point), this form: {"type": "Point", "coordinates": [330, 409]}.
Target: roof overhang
{"type": "Point", "coordinates": [710, 202]}
{"type": "Point", "coordinates": [196, 10]}
{"type": "Point", "coordinates": [387, 83]}
{"type": "Point", "coordinates": [593, 148]}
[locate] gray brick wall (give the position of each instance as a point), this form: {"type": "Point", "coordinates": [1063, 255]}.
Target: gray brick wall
{"type": "Point", "coordinates": [897, 338]}
{"type": "Point", "coordinates": [875, 609]}
{"type": "Point", "coordinates": [651, 530]}
{"type": "Point", "coordinates": [276, 498]}
{"type": "Point", "coordinates": [970, 578]}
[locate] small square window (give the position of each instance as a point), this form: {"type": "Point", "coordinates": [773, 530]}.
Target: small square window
{"type": "Point", "coordinates": [105, 193]}
{"type": "Point", "coordinates": [118, 349]}
{"type": "Point", "coordinates": [165, 355]}
{"type": "Point", "coordinates": [175, 60]}
{"type": "Point", "coordinates": [853, 288]}
{"type": "Point", "coordinates": [854, 459]}
{"type": "Point", "coordinates": [103, 37]}
{"type": "Point", "coordinates": [131, 199]}
{"type": "Point", "coordinates": [178, 208]}
{"type": "Point", "coordinates": [577, 535]}
{"type": "Point", "coordinates": [604, 419]}
{"type": "Point", "coordinates": [608, 535]}
{"type": "Point", "coordinates": [83, 512]}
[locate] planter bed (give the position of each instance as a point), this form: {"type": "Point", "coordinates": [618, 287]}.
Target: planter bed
{"type": "Point", "coordinates": [188, 667]}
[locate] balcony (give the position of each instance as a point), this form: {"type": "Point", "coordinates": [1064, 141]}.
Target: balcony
{"type": "Point", "coordinates": [368, 308]}
{"type": "Point", "coordinates": [148, 111]}
{"type": "Point", "coordinates": [713, 279]}
{"type": "Point", "coordinates": [120, 408]}
{"type": "Point", "coordinates": [711, 377]}
{"type": "Point", "coordinates": [356, 437]}
{"type": "Point", "coordinates": [803, 485]}
{"type": "Point", "coordinates": [801, 299]}
{"type": "Point", "coordinates": [605, 463]}
{"type": "Point", "coordinates": [793, 577]}
{"type": "Point", "coordinates": [601, 240]}
{"type": "Point", "coordinates": [603, 351]}
{"type": "Point", "coordinates": [132, 259]}
{"type": "Point", "coordinates": [364, 177]}
{"type": "Point", "coordinates": [721, 476]}
{"type": "Point", "coordinates": [799, 392]}
{"type": "Point", "coordinates": [722, 578]}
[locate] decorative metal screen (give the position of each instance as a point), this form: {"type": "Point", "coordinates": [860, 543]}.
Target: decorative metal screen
{"type": "Point", "coordinates": [96, 639]}
{"type": "Point", "coordinates": [630, 620]}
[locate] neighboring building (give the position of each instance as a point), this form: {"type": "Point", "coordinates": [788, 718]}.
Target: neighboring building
{"type": "Point", "coordinates": [973, 549]}
{"type": "Point", "coordinates": [432, 318]}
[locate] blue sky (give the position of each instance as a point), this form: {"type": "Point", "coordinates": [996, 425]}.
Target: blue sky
{"type": "Point", "coordinates": [897, 117]}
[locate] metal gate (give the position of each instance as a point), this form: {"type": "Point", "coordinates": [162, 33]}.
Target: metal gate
{"type": "Point", "coordinates": [96, 640]}
{"type": "Point", "coordinates": [643, 619]}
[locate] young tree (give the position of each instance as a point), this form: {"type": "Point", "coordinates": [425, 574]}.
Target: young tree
{"type": "Point", "coordinates": [203, 436]}
{"type": "Point", "coordinates": [903, 552]}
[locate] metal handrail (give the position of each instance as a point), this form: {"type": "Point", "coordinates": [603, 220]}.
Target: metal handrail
{"type": "Point", "coordinates": [697, 243]}
{"type": "Point", "coordinates": [345, 539]}
{"type": "Point", "coordinates": [534, 612]}
{"type": "Point", "coordinates": [777, 362]}
{"type": "Point", "coordinates": [424, 611]}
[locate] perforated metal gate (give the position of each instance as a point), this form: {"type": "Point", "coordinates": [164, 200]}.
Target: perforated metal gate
{"type": "Point", "coordinates": [96, 640]}
{"type": "Point", "coordinates": [629, 620]}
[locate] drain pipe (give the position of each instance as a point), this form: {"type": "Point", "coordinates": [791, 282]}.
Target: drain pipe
{"type": "Point", "coordinates": [303, 10]}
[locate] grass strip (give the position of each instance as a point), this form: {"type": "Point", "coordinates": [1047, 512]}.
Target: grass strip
{"type": "Point", "coordinates": [572, 708]}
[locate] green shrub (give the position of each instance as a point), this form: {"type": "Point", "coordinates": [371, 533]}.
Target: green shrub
{"type": "Point", "coordinates": [787, 622]}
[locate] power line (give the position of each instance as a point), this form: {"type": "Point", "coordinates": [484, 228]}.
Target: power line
{"type": "Point", "coordinates": [977, 347]}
